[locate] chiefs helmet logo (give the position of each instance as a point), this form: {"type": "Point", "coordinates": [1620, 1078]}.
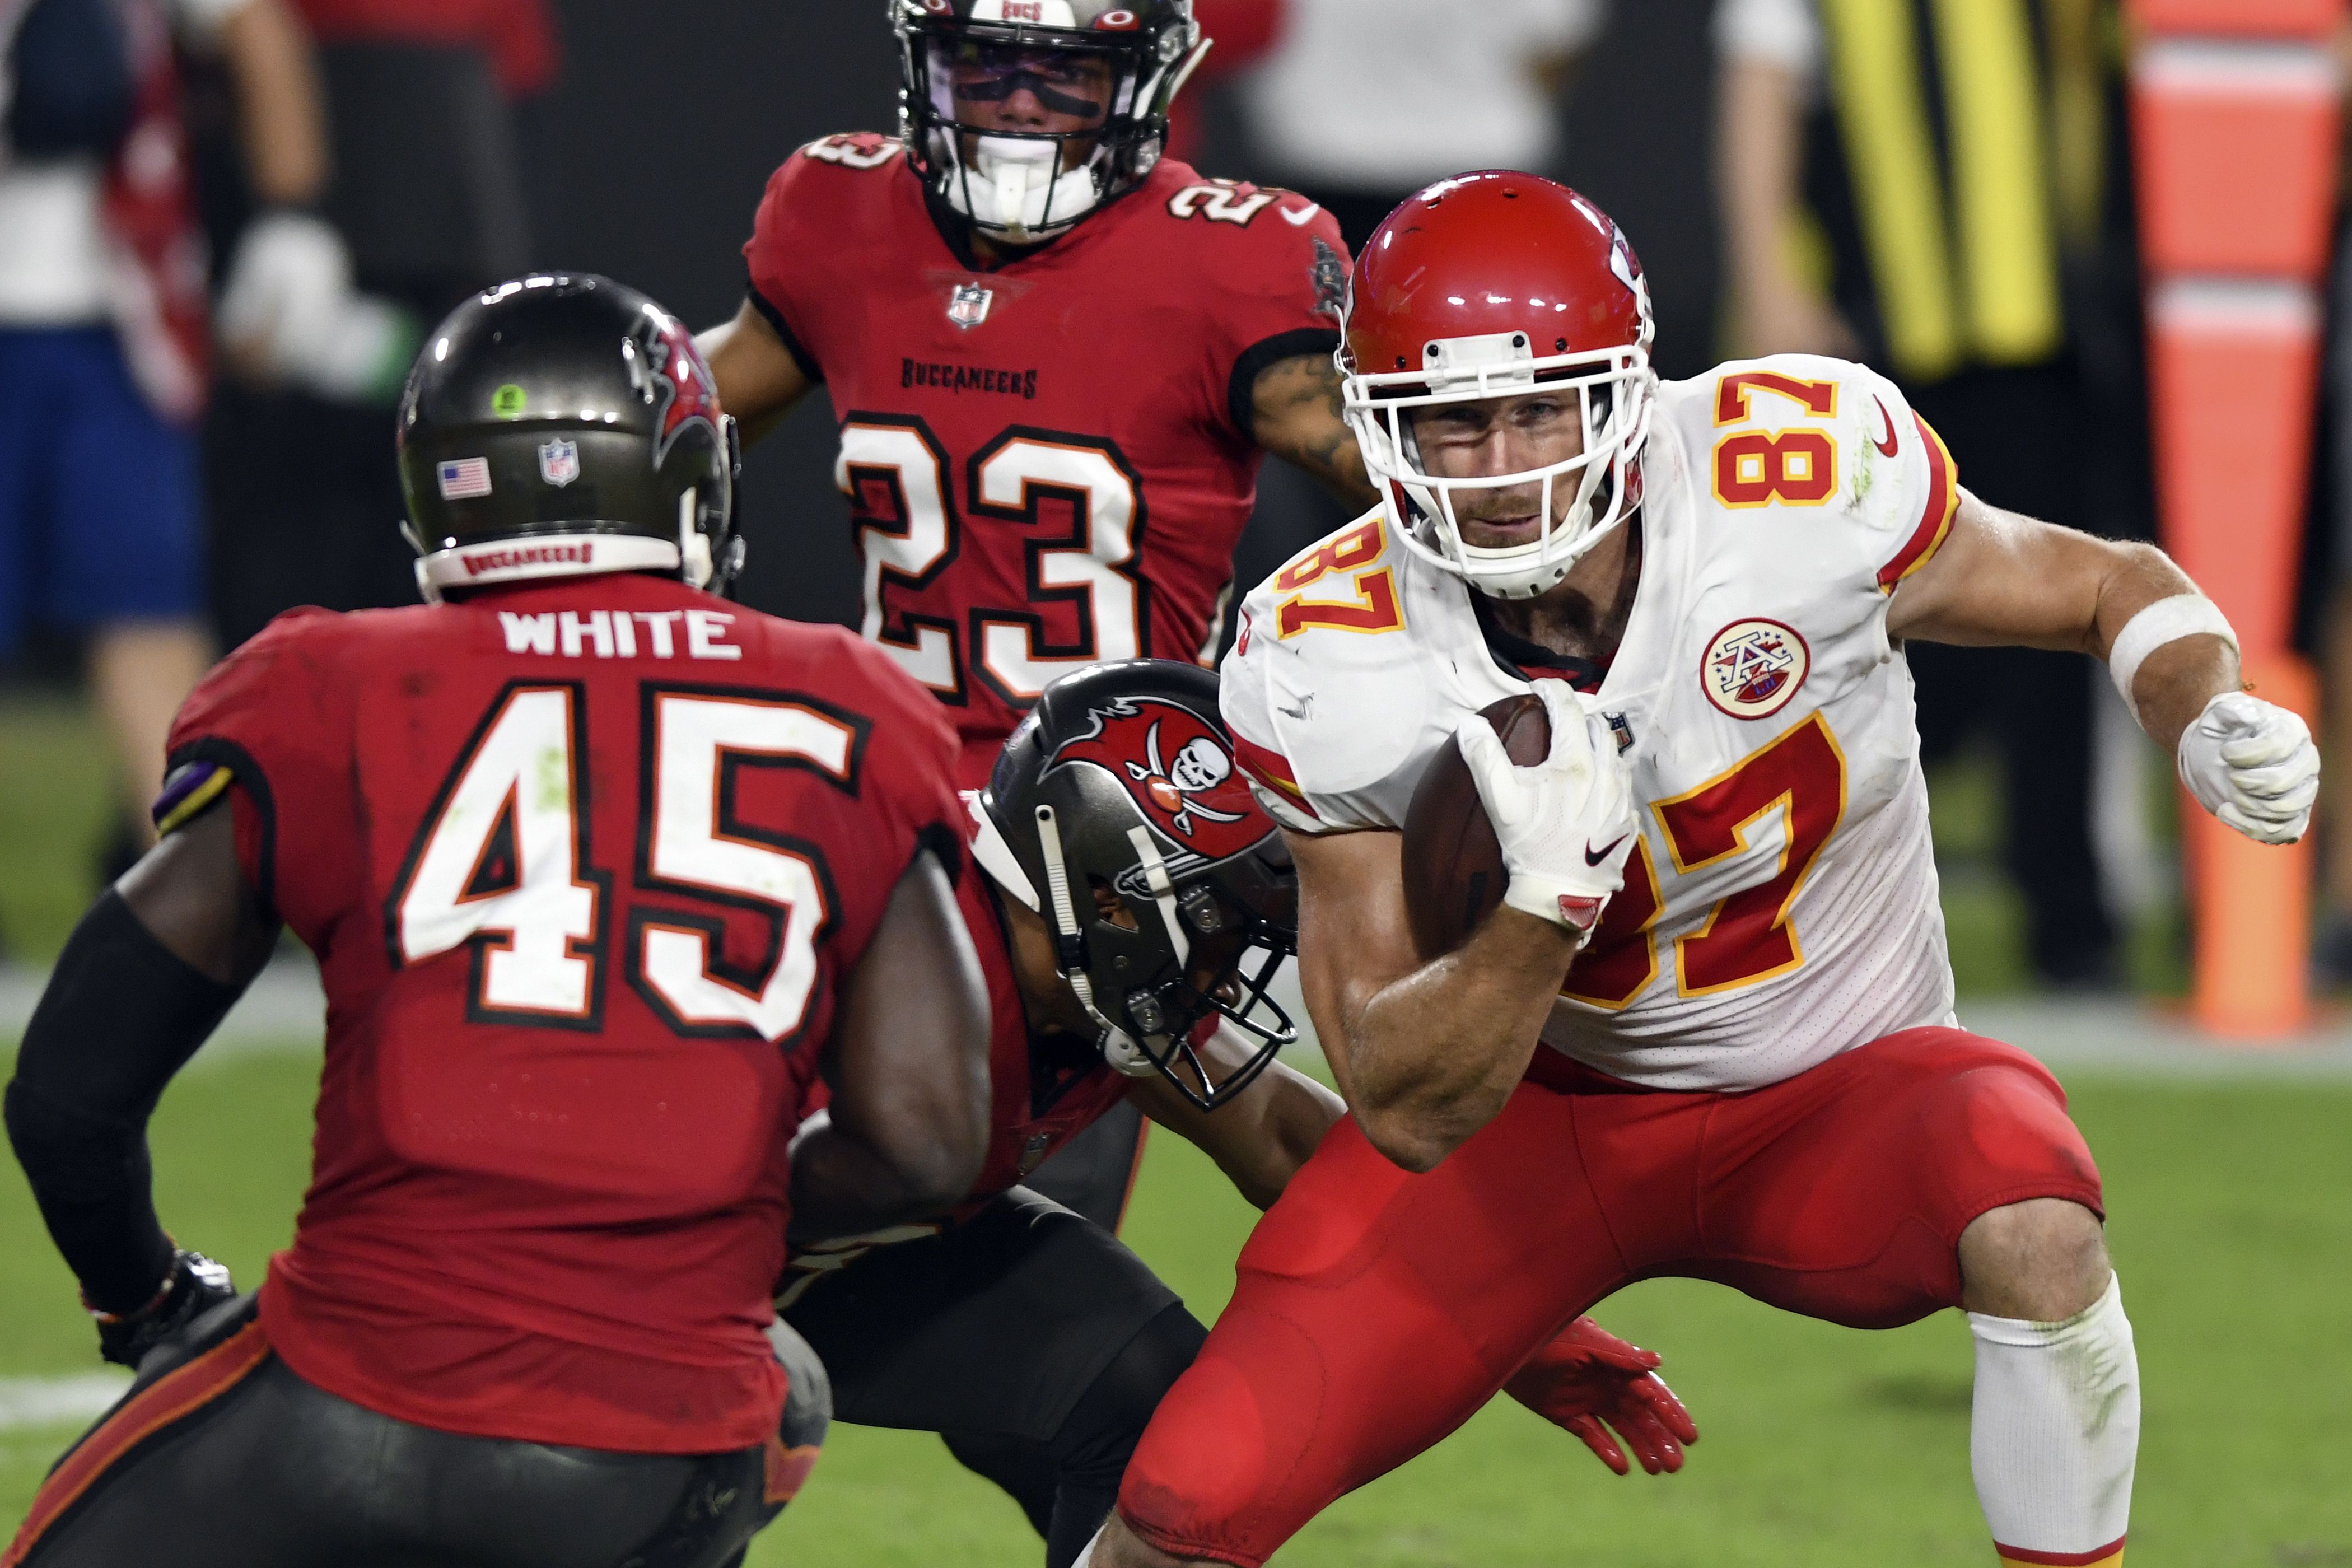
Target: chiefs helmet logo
{"type": "Point", "coordinates": [1180, 771]}
{"type": "Point", "coordinates": [670, 374]}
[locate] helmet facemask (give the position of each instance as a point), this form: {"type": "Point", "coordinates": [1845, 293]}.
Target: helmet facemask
{"type": "Point", "coordinates": [1614, 390]}
{"type": "Point", "coordinates": [1023, 187]}
{"type": "Point", "coordinates": [1172, 949]}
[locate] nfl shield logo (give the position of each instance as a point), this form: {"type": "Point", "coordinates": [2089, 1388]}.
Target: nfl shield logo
{"type": "Point", "coordinates": [968, 306]}
{"type": "Point", "coordinates": [559, 462]}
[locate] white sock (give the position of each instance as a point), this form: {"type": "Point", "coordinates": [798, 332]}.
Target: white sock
{"type": "Point", "coordinates": [1087, 1558]}
{"type": "Point", "coordinates": [2056, 1432]}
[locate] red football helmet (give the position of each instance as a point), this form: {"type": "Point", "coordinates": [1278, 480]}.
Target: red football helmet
{"type": "Point", "coordinates": [1490, 285]}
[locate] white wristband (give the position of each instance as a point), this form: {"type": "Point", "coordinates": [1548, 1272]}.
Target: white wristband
{"type": "Point", "coordinates": [2165, 621]}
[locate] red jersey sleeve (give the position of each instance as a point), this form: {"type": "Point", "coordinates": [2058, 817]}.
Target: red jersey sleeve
{"type": "Point", "coordinates": [1282, 293]}
{"type": "Point", "coordinates": [799, 228]}
{"type": "Point", "coordinates": [275, 718]}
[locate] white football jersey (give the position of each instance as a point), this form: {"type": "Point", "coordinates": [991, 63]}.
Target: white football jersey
{"type": "Point", "coordinates": [1782, 904]}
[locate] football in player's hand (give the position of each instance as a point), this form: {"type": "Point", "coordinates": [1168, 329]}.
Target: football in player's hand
{"type": "Point", "coordinates": [1453, 871]}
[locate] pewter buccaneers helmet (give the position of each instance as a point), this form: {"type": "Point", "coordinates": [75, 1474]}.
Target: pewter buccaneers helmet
{"type": "Point", "coordinates": [1116, 813]}
{"type": "Point", "coordinates": [1496, 285]}
{"type": "Point", "coordinates": [1015, 185]}
{"type": "Point", "coordinates": [561, 425]}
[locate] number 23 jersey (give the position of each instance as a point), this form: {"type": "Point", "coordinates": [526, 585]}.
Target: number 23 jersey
{"type": "Point", "coordinates": [1047, 464]}
{"type": "Point", "coordinates": [1781, 905]}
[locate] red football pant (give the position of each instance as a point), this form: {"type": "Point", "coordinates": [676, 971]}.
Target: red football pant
{"type": "Point", "coordinates": [1375, 1310]}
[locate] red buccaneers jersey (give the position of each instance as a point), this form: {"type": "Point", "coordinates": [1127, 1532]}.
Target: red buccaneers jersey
{"type": "Point", "coordinates": [1048, 463]}
{"type": "Point", "coordinates": [585, 866]}
{"type": "Point", "coordinates": [1045, 1090]}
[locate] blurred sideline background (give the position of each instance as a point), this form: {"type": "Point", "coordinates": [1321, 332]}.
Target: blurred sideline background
{"type": "Point", "coordinates": [470, 139]}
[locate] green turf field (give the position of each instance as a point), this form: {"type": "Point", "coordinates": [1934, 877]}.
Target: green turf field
{"type": "Point", "coordinates": [1824, 1448]}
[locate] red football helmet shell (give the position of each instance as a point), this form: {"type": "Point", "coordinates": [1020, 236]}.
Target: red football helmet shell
{"type": "Point", "coordinates": [1494, 252]}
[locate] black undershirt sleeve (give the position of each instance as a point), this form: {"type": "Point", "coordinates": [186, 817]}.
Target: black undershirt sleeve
{"type": "Point", "coordinates": [121, 1015]}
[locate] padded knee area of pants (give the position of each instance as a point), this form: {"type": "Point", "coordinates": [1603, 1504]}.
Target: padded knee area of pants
{"type": "Point", "coordinates": [1109, 1420]}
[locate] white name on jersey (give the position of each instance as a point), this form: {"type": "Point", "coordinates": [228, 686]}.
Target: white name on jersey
{"type": "Point", "coordinates": [615, 633]}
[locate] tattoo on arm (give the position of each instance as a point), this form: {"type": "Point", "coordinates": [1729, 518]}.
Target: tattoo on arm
{"type": "Point", "coordinates": [1297, 408]}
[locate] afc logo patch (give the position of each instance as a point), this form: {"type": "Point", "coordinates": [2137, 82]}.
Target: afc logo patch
{"type": "Point", "coordinates": [1752, 669]}
{"type": "Point", "coordinates": [1179, 773]}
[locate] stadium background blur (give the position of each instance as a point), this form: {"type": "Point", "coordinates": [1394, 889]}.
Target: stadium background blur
{"type": "Point", "coordinates": [639, 147]}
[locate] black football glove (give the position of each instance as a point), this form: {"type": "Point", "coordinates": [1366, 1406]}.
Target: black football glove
{"type": "Point", "coordinates": [195, 1287]}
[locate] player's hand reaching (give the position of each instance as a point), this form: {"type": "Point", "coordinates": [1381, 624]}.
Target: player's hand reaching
{"type": "Point", "coordinates": [2252, 764]}
{"type": "Point", "coordinates": [1565, 825]}
{"type": "Point", "coordinates": [1589, 1376]}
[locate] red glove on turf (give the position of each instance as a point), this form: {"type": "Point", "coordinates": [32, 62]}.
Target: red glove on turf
{"type": "Point", "coordinates": [1587, 1375]}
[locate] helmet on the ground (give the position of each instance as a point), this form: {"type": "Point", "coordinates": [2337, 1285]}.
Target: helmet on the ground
{"type": "Point", "coordinates": [1110, 68]}
{"type": "Point", "coordinates": [1496, 285]}
{"type": "Point", "coordinates": [1115, 812]}
{"type": "Point", "coordinates": [562, 424]}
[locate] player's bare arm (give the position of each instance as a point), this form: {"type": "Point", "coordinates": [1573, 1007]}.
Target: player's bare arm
{"type": "Point", "coordinates": [760, 382]}
{"type": "Point", "coordinates": [2003, 578]}
{"type": "Point", "coordinates": [1425, 1053]}
{"type": "Point", "coordinates": [908, 1119]}
{"type": "Point", "coordinates": [1296, 416]}
{"type": "Point", "coordinates": [1263, 1136]}
{"type": "Point", "coordinates": [190, 895]}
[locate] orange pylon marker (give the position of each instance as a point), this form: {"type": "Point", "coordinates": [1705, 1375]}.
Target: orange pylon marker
{"type": "Point", "coordinates": [2236, 116]}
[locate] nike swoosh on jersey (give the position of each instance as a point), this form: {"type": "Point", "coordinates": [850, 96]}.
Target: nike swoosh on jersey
{"type": "Point", "coordinates": [1300, 219]}
{"type": "Point", "coordinates": [1594, 858]}
{"type": "Point", "coordinates": [1889, 447]}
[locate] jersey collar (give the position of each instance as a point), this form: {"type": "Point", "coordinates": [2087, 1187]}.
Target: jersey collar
{"type": "Point", "coordinates": [1533, 661]}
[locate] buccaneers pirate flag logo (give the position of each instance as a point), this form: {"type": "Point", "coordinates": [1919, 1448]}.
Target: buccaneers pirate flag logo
{"type": "Point", "coordinates": [1179, 772]}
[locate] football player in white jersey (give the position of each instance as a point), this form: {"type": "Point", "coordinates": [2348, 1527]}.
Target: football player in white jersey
{"type": "Point", "coordinates": [1710, 1031]}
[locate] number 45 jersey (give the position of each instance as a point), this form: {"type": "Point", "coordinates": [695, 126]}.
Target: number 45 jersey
{"type": "Point", "coordinates": [1781, 905]}
{"type": "Point", "coordinates": [585, 866]}
{"type": "Point", "coordinates": [1047, 463]}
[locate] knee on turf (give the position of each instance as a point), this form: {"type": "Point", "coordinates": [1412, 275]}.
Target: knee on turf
{"type": "Point", "coordinates": [2041, 1260]}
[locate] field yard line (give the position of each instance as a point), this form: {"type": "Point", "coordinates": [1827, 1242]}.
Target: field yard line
{"type": "Point", "coordinates": [59, 1401]}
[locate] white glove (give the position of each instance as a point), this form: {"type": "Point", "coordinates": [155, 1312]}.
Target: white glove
{"type": "Point", "coordinates": [2252, 764]}
{"type": "Point", "coordinates": [286, 288]}
{"type": "Point", "coordinates": [1566, 823]}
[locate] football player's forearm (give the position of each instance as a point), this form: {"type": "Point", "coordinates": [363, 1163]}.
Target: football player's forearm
{"type": "Point", "coordinates": [1262, 1138]}
{"type": "Point", "coordinates": [2179, 678]}
{"type": "Point", "coordinates": [844, 1185]}
{"type": "Point", "coordinates": [908, 1126]}
{"type": "Point", "coordinates": [1437, 1052]}
{"type": "Point", "coordinates": [120, 1016]}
